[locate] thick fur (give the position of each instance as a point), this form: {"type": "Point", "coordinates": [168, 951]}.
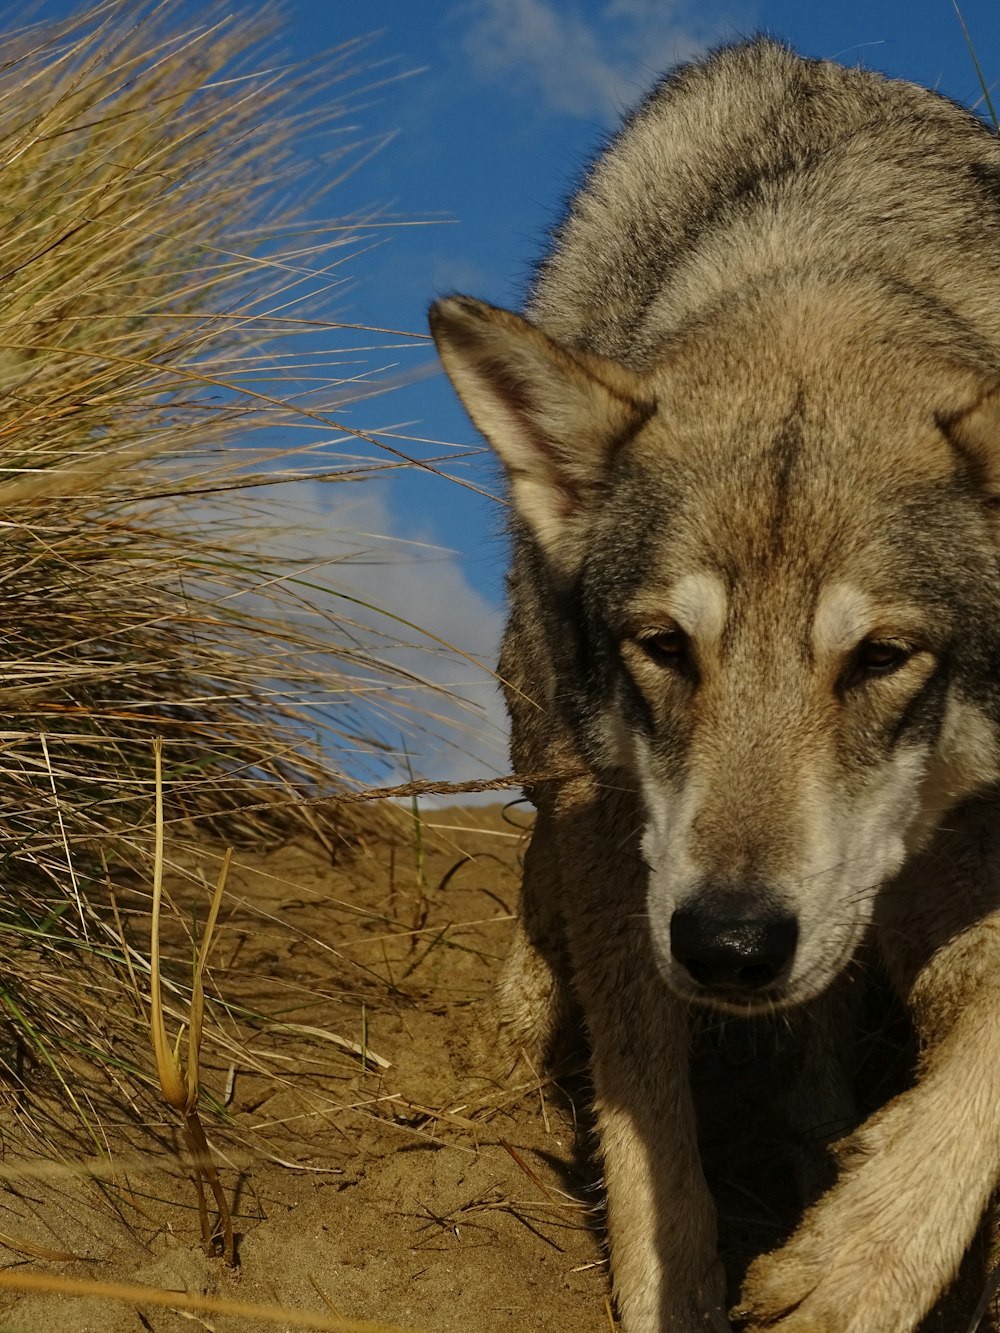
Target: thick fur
{"type": "Point", "coordinates": [750, 423]}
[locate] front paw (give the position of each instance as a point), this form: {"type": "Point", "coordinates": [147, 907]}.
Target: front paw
{"type": "Point", "coordinates": [783, 1292]}
{"type": "Point", "coordinates": [869, 1256]}
{"type": "Point", "coordinates": [848, 1269]}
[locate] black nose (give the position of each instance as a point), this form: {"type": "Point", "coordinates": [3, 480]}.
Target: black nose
{"type": "Point", "coordinates": [733, 941]}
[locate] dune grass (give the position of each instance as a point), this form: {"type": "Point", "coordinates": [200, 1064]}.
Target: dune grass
{"type": "Point", "coordinates": [160, 363]}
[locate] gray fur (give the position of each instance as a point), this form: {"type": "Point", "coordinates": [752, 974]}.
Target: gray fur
{"type": "Point", "coordinates": [752, 433]}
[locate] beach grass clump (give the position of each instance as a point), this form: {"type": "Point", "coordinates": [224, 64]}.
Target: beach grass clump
{"type": "Point", "coordinates": [160, 364]}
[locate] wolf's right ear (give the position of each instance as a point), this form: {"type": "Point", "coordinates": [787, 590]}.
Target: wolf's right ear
{"type": "Point", "coordinates": [553, 415]}
{"type": "Point", "coordinates": [975, 433]}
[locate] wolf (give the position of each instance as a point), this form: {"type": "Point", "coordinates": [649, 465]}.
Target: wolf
{"type": "Point", "coordinates": [750, 423]}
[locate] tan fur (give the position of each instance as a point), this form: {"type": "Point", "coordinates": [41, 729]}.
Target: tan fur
{"type": "Point", "coordinates": [751, 431]}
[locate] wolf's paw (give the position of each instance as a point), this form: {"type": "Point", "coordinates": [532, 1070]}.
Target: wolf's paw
{"type": "Point", "coordinates": [872, 1255]}
{"type": "Point", "coordinates": [840, 1273]}
{"type": "Point", "coordinates": [783, 1293]}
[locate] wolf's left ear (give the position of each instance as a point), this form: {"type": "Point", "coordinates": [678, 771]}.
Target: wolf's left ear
{"type": "Point", "coordinates": [553, 415]}
{"type": "Point", "coordinates": [975, 433]}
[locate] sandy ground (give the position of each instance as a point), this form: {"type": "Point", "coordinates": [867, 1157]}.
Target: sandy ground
{"type": "Point", "coordinates": [376, 1174]}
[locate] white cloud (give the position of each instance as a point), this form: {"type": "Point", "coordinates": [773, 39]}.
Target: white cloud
{"type": "Point", "coordinates": [581, 60]}
{"type": "Point", "coordinates": [450, 728]}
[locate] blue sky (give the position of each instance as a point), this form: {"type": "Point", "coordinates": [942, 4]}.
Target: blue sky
{"type": "Point", "coordinates": [485, 112]}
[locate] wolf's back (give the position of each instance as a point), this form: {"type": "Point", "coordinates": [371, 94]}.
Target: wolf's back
{"type": "Point", "coordinates": [756, 163]}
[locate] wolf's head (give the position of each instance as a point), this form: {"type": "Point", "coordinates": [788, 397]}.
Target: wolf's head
{"type": "Point", "coordinates": [773, 565]}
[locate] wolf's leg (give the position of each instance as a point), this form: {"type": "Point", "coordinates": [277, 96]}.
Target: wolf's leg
{"type": "Point", "coordinates": [661, 1218]}
{"type": "Point", "coordinates": [534, 997]}
{"type": "Point", "coordinates": [881, 1246]}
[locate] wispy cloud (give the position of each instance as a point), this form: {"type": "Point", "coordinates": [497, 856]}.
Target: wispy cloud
{"type": "Point", "coordinates": [581, 60]}
{"type": "Point", "coordinates": [410, 604]}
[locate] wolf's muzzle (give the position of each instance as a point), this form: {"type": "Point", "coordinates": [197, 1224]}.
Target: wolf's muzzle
{"type": "Point", "coordinates": [733, 942]}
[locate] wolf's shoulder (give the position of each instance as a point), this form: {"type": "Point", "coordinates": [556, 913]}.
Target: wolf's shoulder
{"type": "Point", "coordinates": [749, 151]}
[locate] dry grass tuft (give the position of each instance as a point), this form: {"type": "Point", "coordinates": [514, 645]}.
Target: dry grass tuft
{"type": "Point", "coordinates": [180, 1086]}
{"type": "Point", "coordinates": [156, 352]}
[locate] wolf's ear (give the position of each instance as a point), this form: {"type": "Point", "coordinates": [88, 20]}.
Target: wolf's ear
{"type": "Point", "coordinates": [975, 432]}
{"type": "Point", "coordinates": [553, 415]}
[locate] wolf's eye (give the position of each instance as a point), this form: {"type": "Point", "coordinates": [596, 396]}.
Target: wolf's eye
{"type": "Point", "coordinates": [881, 657]}
{"type": "Point", "coordinates": [667, 647]}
